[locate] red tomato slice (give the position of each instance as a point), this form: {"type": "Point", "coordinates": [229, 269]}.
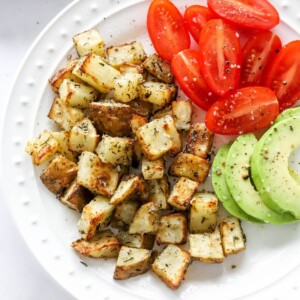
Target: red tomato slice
{"type": "Point", "coordinates": [259, 14]}
{"type": "Point", "coordinates": [245, 110]}
{"type": "Point", "coordinates": [257, 54]}
{"type": "Point", "coordinates": [283, 76]}
{"type": "Point", "coordinates": [186, 68]}
{"type": "Point", "coordinates": [220, 56]}
{"type": "Point", "coordinates": [196, 17]}
{"type": "Point", "coordinates": [167, 29]}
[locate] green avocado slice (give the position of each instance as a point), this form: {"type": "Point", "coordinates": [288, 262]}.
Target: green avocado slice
{"type": "Point", "coordinates": [241, 188]}
{"type": "Point", "coordinates": [289, 113]}
{"type": "Point", "coordinates": [277, 185]}
{"type": "Point", "coordinates": [221, 188]}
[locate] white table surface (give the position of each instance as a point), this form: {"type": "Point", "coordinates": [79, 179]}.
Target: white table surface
{"type": "Point", "coordinates": [21, 276]}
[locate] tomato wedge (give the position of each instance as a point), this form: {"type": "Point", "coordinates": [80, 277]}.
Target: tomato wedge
{"type": "Point", "coordinates": [245, 110]}
{"type": "Point", "coordinates": [259, 14]}
{"type": "Point", "coordinates": [257, 54]}
{"type": "Point", "coordinates": [186, 68]}
{"type": "Point", "coordinates": [196, 17]}
{"type": "Point", "coordinates": [167, 29]}
{"type": "Point", "coordinates": [220, 56]}
{"type": "Point", "coordinates": [283, 76]}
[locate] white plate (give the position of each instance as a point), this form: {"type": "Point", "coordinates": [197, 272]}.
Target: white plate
{"type": "Point", "coordinates": [269, 269]}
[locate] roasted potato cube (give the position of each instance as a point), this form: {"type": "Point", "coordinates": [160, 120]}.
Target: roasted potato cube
{"type": "Point", "coordinates": [172, 229]}
{"type": "Point", "coordinates": [167, 111]}
{"type": "Point", "coordinates": [97, 213]}
{"type": "Point", "coordinates": [140, 108]}
{"type": "Point", "coordinates": [190, 166]}
{"type": "Point", "coordinates": [206, 247]}
{"type": "Point", "coordinates": [152, 169]}
{"type": "Point", "coordinates": [132, 262]}
{"type": "Point", "coordinates": [182, 114]}
{"type": "Point", "coordinates": [203, 213]}
{"type": "Point", "coordinates": [124, 214]}
{"type": "Point", "coordinates": [127, 87]}
{"type": "Point", "coordinates": [126, 68]}
{"type": "Point", "coordinates": [130, 187]}
{"type": "Point", "coordinates": [232, 236]}
{"type": "Point", "coordinates": [42, 147]}
{"type": "Point", "coordinates": [146, 219]}
{"type": "Point", "coordinates": [159, 68]}
{"type": "Point", "coordinates": [63, 115]}
{"type": "Point", "coordinates": [127, 53]}
{"type": "Point", "coordinates": [65, 73]}
{"type": "Point", "coordinates": [98, 177]}
{"type": "Point", "coordinates": [76, 196]}
{"type": "Point", "coordinates": [59, 174]}
{"type": "Point", "coordinates": [76, 95]}
{"type": "Point", "coordinates": [89, 40]}
{"type": "Point", "coordinates": [199, 140]}
{"type": "Point", "coordinates": [83, 137]}
{"type": "Point", "coordinates": [111, 118]}
{"type": "Point", "coordinates": [157, 93]}
{"type": "Point", "coordinates": [171, 265]}
{"type": "Point", "coordinates": [115, 150]}
{"type": "Point", "coordinates": [159, 192]}
{"type": "Point", "coordinates": [92, 69]}
{"type": "Point", "coordinates": [136, 122]}
{"type": "Point", "coordinates": [144, 241]}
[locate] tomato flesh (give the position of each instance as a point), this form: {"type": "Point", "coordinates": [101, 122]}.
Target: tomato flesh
{"type": "Point", "coordinates": [167, 29]}
{"type": "Point", "coordinates": [259, 14]}
{"type": "Point", "coordinates": [219, 48]}
{"type": "Point", "coordinates": [245, 110]}
{"type": "Point", "coordinates": [186, 68]}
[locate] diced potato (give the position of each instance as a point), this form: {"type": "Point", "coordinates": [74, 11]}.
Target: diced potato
{"type": "Point", "coordinates": [144, 241]}
{"type": "Point", "coordinates": [59, 174]}
{"type": "Point", "coordinates": [157, 93]}
{"type": "Point", "coordinates": [190, 166]}
{"type": "Point", "coordinates": [132, 262]}
{"type": "Point", "coordinates": [124, 214]}
{"type": "Point", "coordinates": [129, 188]}
{"type": "Point", "coordinates": [42, 147]}
{"type": "Point", "coordinates": [88, 41]}
{"type": "Point", "coordinates": [76, 196]}
{"type": "Point", "coordinates": [128, 53]}
{"type": "Point", "coordinates": [232, 236]}
{"type": "Point", "coordinates": [182, 193]}
{"type": "Point", "coordinates": [171, 265]}
{"type": "Point", "coordinates": [167, 111]}
{"type": "Point", "coordinates": [159, 192]}
{"type": "Point", "coordinates": [63, 115]}
{"type": "Point", "coordinates": [152, 169]}
{"type": "Point", "coordinates": [64, 73]}
{"type": "Point", "coordinates": [203, 213]}
{"type": "Point", "coordinates": [126, 68]}
{"type": "Point", "coordinates": [76, 95]}
{"type": "Point", "coordinates": [98, 177]}
{"type": "Point", "coordinates": [159, 68]}
{"type": "Point", "coordinates": [199, 140]}
{"type": "Point", "coordinates": [182, 114]}
{"type": "Point", "coordinates": [111, 118]}
{"type": "Point", "coordinates": [136, 122]}
{"type": "Point", "coordinates": [83, 137]}
{"type": "Point", "coordinates": [158, 137]}
{"type": "Point", "coordinates": [97, 213]}
{"type": "Point", "coordinates": [146, 219]}
{"type": "Point", "coordinates": [115, 150]}
{"type": "Point", "coordinates": [93, 70]}
{"type": "Point", "coordinates": [172, 229]}
{"type": "Point", "coordinates": [140, 108]}
{"type": "Point", "coordinates": [127, 87]}
{"type": "Point", "coordinates": [206, 247]}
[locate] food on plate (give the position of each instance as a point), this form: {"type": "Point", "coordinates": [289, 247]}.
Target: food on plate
{"type": "Point", "coordinates": [140, 241]}
{"type": "Point", "coordinates": [291, 112]}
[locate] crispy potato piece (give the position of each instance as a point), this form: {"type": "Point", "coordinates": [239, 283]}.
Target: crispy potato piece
{"type": "Point", "coordinates": [132, 262]}
{"type": "Point", "coordinates": [199, 140]}
{"type": "Point", "coordinates": [159, 192]}
{"type": "Point", "coordinates": [172, 229]}
{"type": "Point", "coordinates": [166, 111]}
{"type": "Point", "coordinates": [232, 236]}
{"type": "Point", "coordinates": [136, 122]}
{"type": "Point", "coordinates": [190, 166]}
{"type": "Point", "coordinates": [126, 68]}
{"type": "Point", "coordinates": [144, 241]}
{"type": "Point", "coordinates": [98, 177]}
{"type": "Point", "coordinates": [140, 108]}
{"type": "Point", "coordinates": [59, 174]}
{"type": "Point", "coordinates": [97, 213]}
{"type": "Point", "coordinates": [152, 169]}
{"type": "Point", "coordinates": [203, 213]}
{"type": "Point", "coordinates": [171, 265]}
{"type": "Point", "coordinates": [182, 114]}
